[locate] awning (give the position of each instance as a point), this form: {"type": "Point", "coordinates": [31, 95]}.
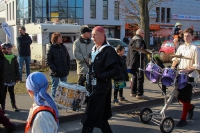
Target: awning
{"type": "Point", "coordinates": [163, 32]}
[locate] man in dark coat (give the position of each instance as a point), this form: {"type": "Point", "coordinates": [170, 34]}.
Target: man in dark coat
{"type": "Point", "coordinates": [105, 64]}
{"type": "Point", "coordinates": [23, 45]}
{"type": "Point", "coordinates": [58, 60]}
{"type": "Point", "coordinates": [133, 64]}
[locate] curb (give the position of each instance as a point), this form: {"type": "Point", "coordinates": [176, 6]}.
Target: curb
{"type": "Point", "coordinates": [157, 101]}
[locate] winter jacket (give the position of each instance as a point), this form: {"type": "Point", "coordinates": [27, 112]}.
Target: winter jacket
{"type": "Point", "coordinates": [11, 71]}
{"type": "Point", "coordinates": [81, 50]}
{"type": "Point", "coordinates": [133, 56]}
{"type": "Point", "coordinates": [24, 42]}
{"type": "Point", "coordinates": [123, 75]}
{"type": "Point", "coordinates": [1, 77]}
{"type": "Point", "coordinates": [58, 60]}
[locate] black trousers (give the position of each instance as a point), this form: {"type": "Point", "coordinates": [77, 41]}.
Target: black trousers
{"type": "Point", "coordinates": [116, 93]}
{"type": "Point", "coordinates": [138, 81]}
{"type": "Point", "coordinates": [104, 129]}
{"type": "Point", "coordinates": [10, 89]}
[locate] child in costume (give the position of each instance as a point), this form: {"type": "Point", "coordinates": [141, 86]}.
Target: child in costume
{"type": "Point", "coordinates": [43, 116]}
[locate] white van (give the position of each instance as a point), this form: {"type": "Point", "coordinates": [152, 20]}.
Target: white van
{"type": "Point", "coordinates": [41, 36]}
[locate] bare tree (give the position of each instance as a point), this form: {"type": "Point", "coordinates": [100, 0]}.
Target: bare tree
{"type": "Point", "coordinates": [137, 11]}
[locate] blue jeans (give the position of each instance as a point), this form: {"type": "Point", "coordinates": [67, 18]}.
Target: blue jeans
{"type": "Point", "coordinates": [21, 60]}
{"type": "Point", "coordinates": [55, 81]}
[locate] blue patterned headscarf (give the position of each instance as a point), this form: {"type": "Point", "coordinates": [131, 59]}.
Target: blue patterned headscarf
{"type": "Point", "coordinates": [38, 83]}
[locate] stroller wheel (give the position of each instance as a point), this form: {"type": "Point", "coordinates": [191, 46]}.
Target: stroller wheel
{"type": "Point", "coordinates": [145, 115]}
{"type": "Point", "coordinates": [167, 125]}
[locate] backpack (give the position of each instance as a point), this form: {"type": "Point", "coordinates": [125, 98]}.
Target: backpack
{"type": "Point", "coordinates": [35, 112]}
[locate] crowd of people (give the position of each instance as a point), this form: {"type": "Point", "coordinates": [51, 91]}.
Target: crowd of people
{"type": "Point", "coordinates": [107, 64]}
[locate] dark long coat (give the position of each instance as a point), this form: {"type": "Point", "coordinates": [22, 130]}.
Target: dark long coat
{"type": "Point", "coordinates": [106, 66]}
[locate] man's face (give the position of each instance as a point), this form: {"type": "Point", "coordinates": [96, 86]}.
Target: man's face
{"type": "Point", "coordinates": [98, 37]}
{"type": "Point", "coordinates": [87, 34]}
{"type": "Point", "coordinates": [142, 34]}
{"type": "Point", "coordinates": [21, 31]}
{"type": "Point", "coordinates": [188, 37]}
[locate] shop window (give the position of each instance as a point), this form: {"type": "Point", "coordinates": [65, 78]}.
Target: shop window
{"type": "Point", "coordinates": [157, 14]}
{"type": "Point", "coordinates": [168, 15]}
{"type": "Point", "coordinates": [92, 8]}
{"type": "Point", "coordinates": [163, 15]}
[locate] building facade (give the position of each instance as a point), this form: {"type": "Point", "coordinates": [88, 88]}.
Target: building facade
{"type": "Point", "coordinates": [82, 12]}
{"type": "Point", "coordinates": [167, 14]}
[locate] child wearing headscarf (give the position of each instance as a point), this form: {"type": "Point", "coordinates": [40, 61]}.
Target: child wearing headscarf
{"type": "Point", "coordinates": [44, 121]}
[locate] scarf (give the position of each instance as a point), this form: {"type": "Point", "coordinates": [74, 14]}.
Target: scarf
{"type": "Point", "coordinates": [9, 57]}
{"type": "Point", "coordinates": [38, 83]}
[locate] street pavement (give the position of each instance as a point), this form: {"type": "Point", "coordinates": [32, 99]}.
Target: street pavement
{"type": "Point", "coordinates": [129, 122]}
{"type": "Point", "coordinates": [24, 103]}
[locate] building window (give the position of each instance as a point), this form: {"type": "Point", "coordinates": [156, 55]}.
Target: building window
{"type": "Point", "coordinates": [7, 13]}
{"type": "Point", "coordinates": [13, 10]}
{"type": "Point", "coordinates": [116, 10]}
{"type": "Point", "coordinates": [163, 15]}
{"type": "Point", "coordinates": [105, 9]}
{"type": "Point", "coordinates": [10, 11]}
{"type": "Point", "coordinates": [92, 8]}
{"type": "Point", "coordinates": [168, 15]}
{"type": "Point", "coordinates": [157, 14]}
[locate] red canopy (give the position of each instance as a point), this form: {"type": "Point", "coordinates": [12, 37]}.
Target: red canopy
{"type": "Point", "coordinates": [163, 32]}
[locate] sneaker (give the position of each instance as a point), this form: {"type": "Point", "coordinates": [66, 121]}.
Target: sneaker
{"type": "Point", "coordinates": [133, 95]}
{"type": "Point", "coordinates": [116, 102]}
{"type": "Point", "coordinates": [15, 109]}
{"type": "Point", "coordinates": [142, 97]}
{"type": "Point", "coordinates": [12, 129]}
{"type": "Point", "coordinates": [121, 99]}
{"type": "Point", "coordinates": [190, 112]}
{"type": "Point", "coordinates": [181, 123]}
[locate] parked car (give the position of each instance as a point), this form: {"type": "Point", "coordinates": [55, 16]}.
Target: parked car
{"type": "Point", "coordinates": [114, 42]}
{"type": "Point", "coordinates": [167, 49]}
{"type": "Point", "coordinates": [197, 43]}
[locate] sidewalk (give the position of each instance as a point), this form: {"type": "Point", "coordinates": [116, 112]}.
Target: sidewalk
{"type": "Point", "coordinates": [24, 102]}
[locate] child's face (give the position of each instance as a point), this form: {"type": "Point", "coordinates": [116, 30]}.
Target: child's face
{"type": "Point", "coordinates": [8, 50]}
{"type": "Point", "coordinates": [121, 53]}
